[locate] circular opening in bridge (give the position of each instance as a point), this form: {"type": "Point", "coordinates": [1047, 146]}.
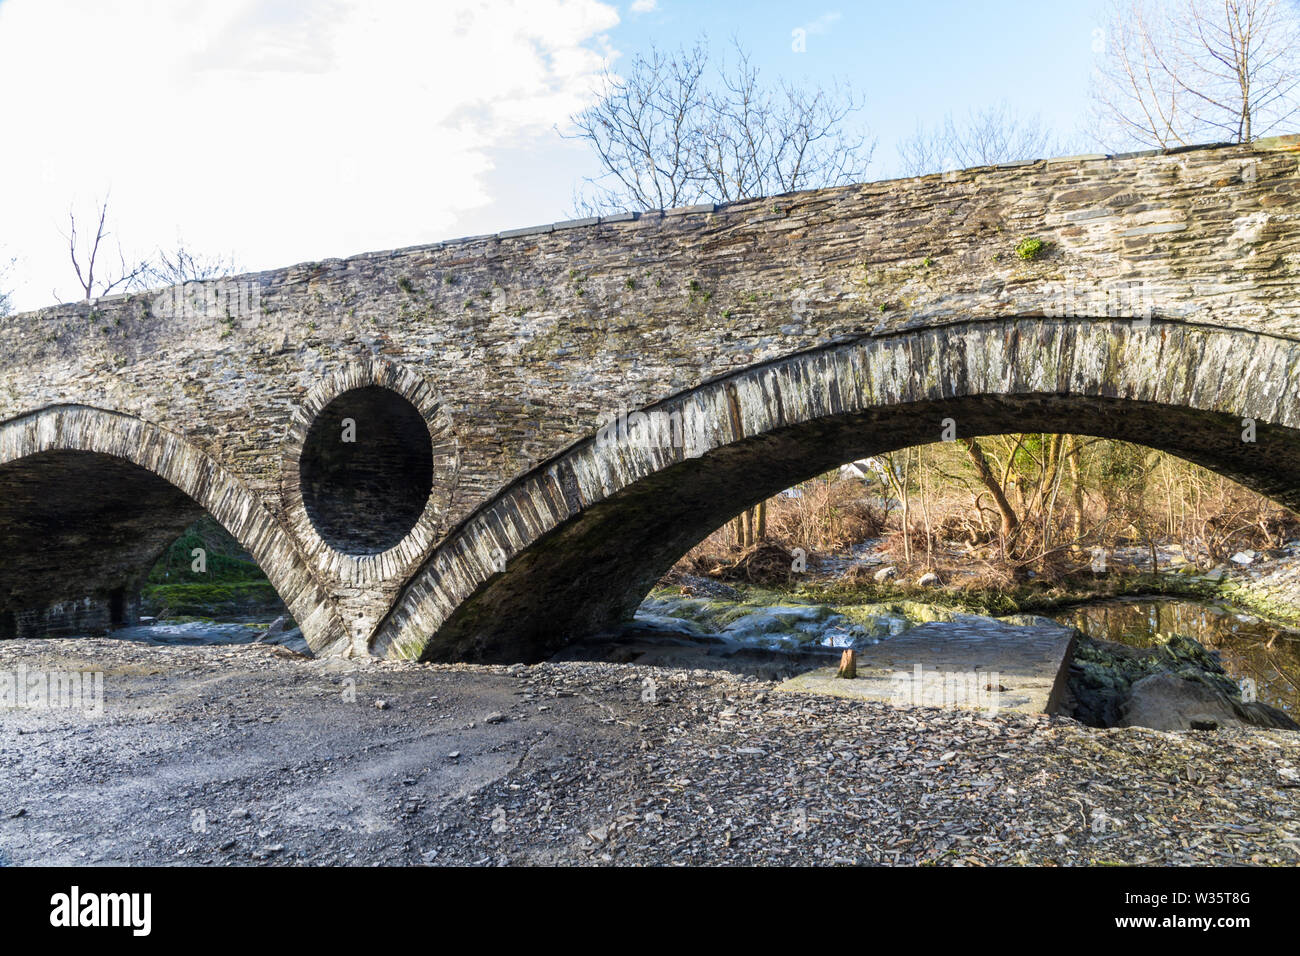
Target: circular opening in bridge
{"type": "Point", "coordinates": [366, 470]}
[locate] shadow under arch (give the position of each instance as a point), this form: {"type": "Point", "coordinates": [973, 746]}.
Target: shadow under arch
{"type": "Point", "coordinates": [573, 546]}
{"type": "Point", "coordinates": [86, 478]}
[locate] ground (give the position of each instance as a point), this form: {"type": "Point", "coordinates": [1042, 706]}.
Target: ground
{"type": "Point", "coordinates": [250, 754]}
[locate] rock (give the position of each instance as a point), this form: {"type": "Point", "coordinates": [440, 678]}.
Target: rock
{"type": "Point", "coordinates": [381, 705]}
{"type": "Point", "coordinates": [291, 639]}
{"type": "Point", "coordinates": [1243, 557]}
{"type": "Point", "coordinates": [885, 574]}
{"type": "Point", "coordinates": [276, 627]}
{"type": "Point", "coordinates": [1166, 701]}
{"type": "Point", "coordinates": [928, 580]}
{"type": "Point", "coordinates": [1214, 575]}
{"type": "Point", "coordinates": [495, 718]}
{"type": "Point", "coordinates": [697, 584]}
{"type": "Point", "coordinates": [1105, 677]}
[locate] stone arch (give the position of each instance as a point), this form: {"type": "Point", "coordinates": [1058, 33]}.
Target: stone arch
{"type": "Point", "coordinates": [131, 445]}
{"type": "Point", "coordinates": [367, 563]}
{"type": "Point", "coordinates": [574, 545]}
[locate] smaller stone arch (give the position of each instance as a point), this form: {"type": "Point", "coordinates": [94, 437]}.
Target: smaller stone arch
{"type": "Point", "coordinates": [403, 470]}
{"type": "Point", "coordinates": [85, 429]}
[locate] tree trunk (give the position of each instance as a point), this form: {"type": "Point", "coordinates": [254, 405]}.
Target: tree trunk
{"type": "Point", "coordinates": [1077, 482]}
{"type": "Point", "coordinates": [1009, 520]}
{"type": "Point", "coordinates": [848, 665]}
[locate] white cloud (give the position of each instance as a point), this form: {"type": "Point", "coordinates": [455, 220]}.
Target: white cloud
{"type": "Point", "coordinates": [822, 23]}
{"type": "Point", "coordinates": [278, 131]}
{"type": "Point", "coordinates": [645, 6]}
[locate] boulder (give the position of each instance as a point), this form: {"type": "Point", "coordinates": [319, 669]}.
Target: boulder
{"type": "Point", "coordinates": [885, 574]}
{"type": "Point", "coordinates": [1166, 701]}
{"type": "Point", "coordinates": [928, 580]}
{"type": "Point", "coordinates": [291, 639]}
{"type": "Point", "coordinates": [276, 627]}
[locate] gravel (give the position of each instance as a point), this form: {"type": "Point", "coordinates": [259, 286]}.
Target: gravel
{"type": "Point", "coordinates": [254, 755]}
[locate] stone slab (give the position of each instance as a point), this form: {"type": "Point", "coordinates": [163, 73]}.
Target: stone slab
{"type": "Point", "coordinates": [976, 663]}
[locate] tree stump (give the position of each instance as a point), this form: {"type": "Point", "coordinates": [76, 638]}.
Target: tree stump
{"type": "Point", "coordinates": [848, 664]}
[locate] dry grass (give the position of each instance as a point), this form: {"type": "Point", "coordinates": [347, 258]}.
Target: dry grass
{"type": "Point", "coordinates": [1130, 496]}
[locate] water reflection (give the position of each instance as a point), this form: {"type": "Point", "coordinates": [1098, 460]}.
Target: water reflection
{"type": "Point", "coordinates": [1247, 646]}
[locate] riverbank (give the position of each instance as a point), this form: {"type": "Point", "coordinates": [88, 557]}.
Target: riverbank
{"type": "Point", "coordinates": [1266, 584]}
{"type": "Point", "coordinates": [251, 755]}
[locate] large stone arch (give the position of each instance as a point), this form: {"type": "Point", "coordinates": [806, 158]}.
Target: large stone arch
{"type": "Point", "coordinates": [121, 448]}
{"type": "Point", "coordinates": [575, 544]}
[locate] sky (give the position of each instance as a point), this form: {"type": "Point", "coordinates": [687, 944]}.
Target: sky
{"type": "Point", "coordinates": [282, 131]}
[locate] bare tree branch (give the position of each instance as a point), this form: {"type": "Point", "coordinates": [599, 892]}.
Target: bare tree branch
{"type": "Point", "coordinates": [86, 261]}
{"type": "Point", "coordinates": [6, 297]}
{"type": "Point", "coordinates": [182, 265]}
{"type": "Point", "coordinates": [678, 130]}
{"type": "Point", "coordinates": [984, 138]}
{"type": "Point", "coordinates": [1176, 72]}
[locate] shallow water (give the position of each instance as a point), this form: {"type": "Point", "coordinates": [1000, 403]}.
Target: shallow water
{"type": "Point", "coordinates": [1248, 647]}
{"type": "Point", "coordinates": [201, 632]}
{"type": "Point", "coordinates": [773, 623]}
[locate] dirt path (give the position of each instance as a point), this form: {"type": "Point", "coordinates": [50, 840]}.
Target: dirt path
{"type": "Point", "coordinates": [239, 755]}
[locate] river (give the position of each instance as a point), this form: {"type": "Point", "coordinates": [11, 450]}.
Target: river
{"type": "Point", "coordinates": [767, 623]}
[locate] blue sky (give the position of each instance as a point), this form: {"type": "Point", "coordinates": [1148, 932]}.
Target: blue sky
{"type": "Point", "coordinates": [281, 131]}
{"type": "Point", "coordinates": [913, 62]}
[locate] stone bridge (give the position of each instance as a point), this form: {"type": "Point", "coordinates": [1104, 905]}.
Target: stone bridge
{"type": "Point", "coordinates": [483, 448]}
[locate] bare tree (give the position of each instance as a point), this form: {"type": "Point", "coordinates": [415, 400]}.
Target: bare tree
{"type": "Point", "coordinates": [992, 135]}
{"type": "Point", "coordinates": [6, 298]}
{"type": "Point", "coordinates": [182, 265]}
{"type": "Point", "coordinates": [1177, 72]}
{"type": "Point", "coordinates": [93, 276]}
{"type": "Point", "coordinates": [678, 130]}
